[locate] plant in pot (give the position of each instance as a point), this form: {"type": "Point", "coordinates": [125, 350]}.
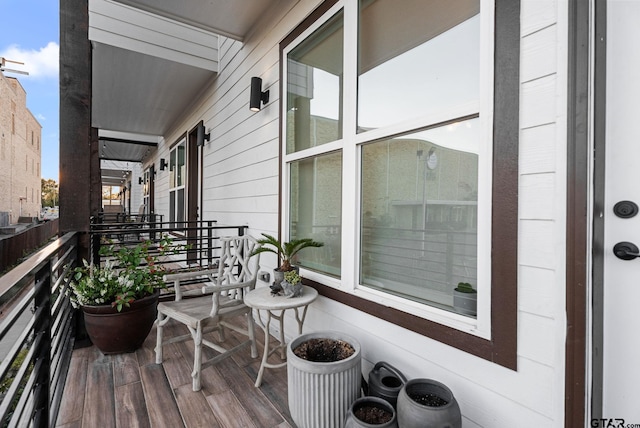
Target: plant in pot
{"type": "Point", "coordinates": [292, 284]}
{"type": "Point", "coordinates": [324, 378]}
{"type": "Point", "coordinates": [119, 297]}
{"type": "Point", "coordinates": [286, 252]}
{"type": "Point", "coordinates": [465, 299]}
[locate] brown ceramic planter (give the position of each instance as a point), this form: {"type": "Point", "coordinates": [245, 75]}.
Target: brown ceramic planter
{"type": "Point", "coordinates": [116, 332]}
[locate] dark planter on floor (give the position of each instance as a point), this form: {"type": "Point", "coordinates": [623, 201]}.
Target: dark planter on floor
{"type": "Point", "coordinates": [439, 409]}
{"type": "Point", "coordinates": [353, 421]}
{"type": "Point", "coordinates": [116, 332]}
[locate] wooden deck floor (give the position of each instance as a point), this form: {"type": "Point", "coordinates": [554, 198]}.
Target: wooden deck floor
{"type": "Point", "coordinates": [130, 390]}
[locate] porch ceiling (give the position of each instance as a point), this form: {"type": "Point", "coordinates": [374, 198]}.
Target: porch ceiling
{"type": "Point", "coordinates": [228, 18]}
{"type": "Point", "coordinates": [138, 93]}
{"type": "Point", "coordinates": [113, 177]}
{"type": "Point", "coordinates": [150, 60]}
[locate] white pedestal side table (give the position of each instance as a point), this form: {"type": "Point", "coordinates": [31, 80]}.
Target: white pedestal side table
{"type": "Point", "coordinates": [261, 299]}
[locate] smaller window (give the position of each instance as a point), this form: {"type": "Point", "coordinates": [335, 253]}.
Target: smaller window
{"type": "Point", "coordinates": [314, 88]}
{"type": "Point", "coordinates": [316, 210]}
{"type": "Point", "coordinates": [177, 175]}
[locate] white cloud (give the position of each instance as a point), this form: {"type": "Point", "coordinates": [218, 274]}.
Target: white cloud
{"type": "Point", "coordinates": [40, 117]}
{"type": "Point", "coordinates": [42, 63]}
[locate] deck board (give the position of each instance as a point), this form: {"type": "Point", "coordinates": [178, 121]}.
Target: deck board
{"type": "Point", "coordinates": [130, 390]}
{"type": "Point", "coordinates": [99, 407]}
{"type": "Point", "coordinates": [132, 410]}
{"type": "Point", "coordinates": [125, 369]}
{"type": "Point", "coordinates": [231, 412]}
{"type": "Point", "coordinates": [195, 409]}
{"type": "Point", "coordinates": [161, 404]}
{"type": "Point", "coordinates": [71, 409]}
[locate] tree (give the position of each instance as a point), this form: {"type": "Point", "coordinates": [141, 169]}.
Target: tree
{"type": "Point", "coordinates": [49, 192]}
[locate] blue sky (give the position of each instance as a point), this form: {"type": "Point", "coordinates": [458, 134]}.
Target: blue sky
{"type": "Point", "coordinates": [30, 34]}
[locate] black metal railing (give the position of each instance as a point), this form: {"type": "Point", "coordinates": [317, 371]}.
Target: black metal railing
{"type": "Point", "coordinates": [37, 319]}
{"type": "Point", "coordinates": [36, 335]}
{"type": "Point", "coordinates": [198, 242]}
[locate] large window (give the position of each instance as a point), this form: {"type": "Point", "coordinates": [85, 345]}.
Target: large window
{"type": "Point", "coordinates": [389, 154]}
{"type": "Point", "coordinates": [419, 213]}
{"type": "Point", "coordinates": [177, 181]}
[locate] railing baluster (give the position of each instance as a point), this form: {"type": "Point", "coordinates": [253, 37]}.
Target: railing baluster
{"type": "Point", "coordinates": [209, 243]}
{"type": "Point", "coordinates": [42, 329]}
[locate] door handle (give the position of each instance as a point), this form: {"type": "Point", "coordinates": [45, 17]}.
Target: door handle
{"type": "Point", "coordinates": [626, 250]}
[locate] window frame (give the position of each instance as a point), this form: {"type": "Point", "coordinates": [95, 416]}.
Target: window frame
{"type": "Point", "coordinates": [500, 344]}
{"type": "Point", "coordinates": [172, 187]}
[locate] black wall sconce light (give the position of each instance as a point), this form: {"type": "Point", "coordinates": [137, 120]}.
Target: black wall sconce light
{"type": "Point", "coordinates": [201, 137]}
{"type": "Point", "coordinates": [257, 96]}
{"type": "Point", "coordinates": [163, 164]}
{"type": "Point", "coordinates": [140, 180]}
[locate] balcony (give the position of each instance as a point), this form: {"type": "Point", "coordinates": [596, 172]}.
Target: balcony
{"type": "Point", "coordinates": [130, 390]}
{"type": "Point", "coordinates": [46, 382]}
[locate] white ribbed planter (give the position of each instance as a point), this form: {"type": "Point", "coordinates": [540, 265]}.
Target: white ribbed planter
{"type": "Point", "coordinates": [320, 394]}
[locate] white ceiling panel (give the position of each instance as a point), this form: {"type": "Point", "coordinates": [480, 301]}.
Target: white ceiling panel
{"type": "Point", "coordinates": [230, 18]}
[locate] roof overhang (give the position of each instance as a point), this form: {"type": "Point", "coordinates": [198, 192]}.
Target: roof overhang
{"type": "Point", "coordinates": [151, 59]}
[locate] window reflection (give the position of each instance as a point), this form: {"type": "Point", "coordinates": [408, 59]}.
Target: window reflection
{"type": "Point", "coordinates": [316, 210]}
{"type": "Point", "coordinates": [416, 60]}
{"type": "Point", "coordinates": [314, 96]}
{"type": "Point", "coordinates": [419, 213]}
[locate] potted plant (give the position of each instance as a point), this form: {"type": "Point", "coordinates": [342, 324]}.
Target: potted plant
{"type": "Point", "coordinates": [286, 251]}
{"type": "Point", "coordinates": [292, 284]}
{"type": "Point", "coordinates": [324, 378]}
{"type": "Point", "coordinates": [465, 299]}
{"type": "Point", "coordinates": [119, 297]}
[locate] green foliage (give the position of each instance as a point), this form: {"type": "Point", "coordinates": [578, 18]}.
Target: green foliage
{"type": "Point", "coordinates": [292, 277]}
{"type": "Point", "coordinates": [129, 274]}
{"type": "Point", "coordinates": [285, 250]}
{"type": "Point", "coordinates": [13, 370]}
{"type": "Point", "coordinates": [49, 192]}
{"type": "Point", "coordinates": [465, 287]}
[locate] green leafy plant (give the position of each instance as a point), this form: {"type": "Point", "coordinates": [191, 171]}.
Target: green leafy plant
{"type": "Point", "coordinates": [285, 250]}
{"type": "Point", "coordinates": [465, 287]}
{"type": "Point", "coordinates": [292, 277]}
{"type": "Point", "coordinates": [129, 273]}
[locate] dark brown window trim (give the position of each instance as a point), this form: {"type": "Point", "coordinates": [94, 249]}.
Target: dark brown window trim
{"type": "Point", "coordinates": [183, 136]}
{"type": "Point", "coordinates": [502, 348]}
{"type": "Point", "coordinates": [578, 184]}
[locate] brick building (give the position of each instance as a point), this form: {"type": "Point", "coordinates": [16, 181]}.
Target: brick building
{"type": "Point", "coordinates": [20, 153]}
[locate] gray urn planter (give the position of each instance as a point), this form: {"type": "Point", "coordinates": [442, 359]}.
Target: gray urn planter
{"type": "Point", "coordinates": [412, 414]}
{"type": "Point", "coordinates": [465, 303]}
{"type": "Point", "coordinates": [320, 394]}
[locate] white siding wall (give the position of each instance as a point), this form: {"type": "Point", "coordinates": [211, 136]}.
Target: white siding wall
{"type": "Point", "coordinates": [241, 187]}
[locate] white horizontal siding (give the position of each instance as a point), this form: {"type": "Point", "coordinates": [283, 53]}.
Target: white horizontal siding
{"type": "Point", "coordinates": [538, 147]}
{"type": "Point", "coordinates": [241, 187]}
{"type": "Point", "coordinates": [537, 290]}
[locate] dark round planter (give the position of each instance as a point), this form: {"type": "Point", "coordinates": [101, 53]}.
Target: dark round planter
{"type": "Point", "coordinates": [412, 414]}
{"type": "Point", "coordinates": [352, 421]}
{"type": "Point", "coordinates": [116, 332]}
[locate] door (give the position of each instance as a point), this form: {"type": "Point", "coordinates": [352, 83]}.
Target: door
{"type": "Point", "coordinates": [621, 285]}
